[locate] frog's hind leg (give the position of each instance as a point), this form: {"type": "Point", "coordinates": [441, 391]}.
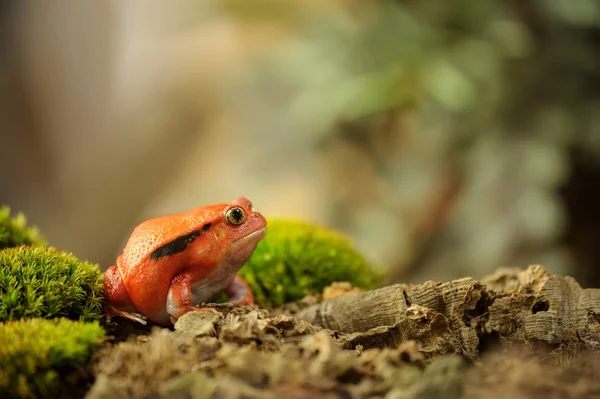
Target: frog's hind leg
{"type": "Point", "coordinates": [117, 299]}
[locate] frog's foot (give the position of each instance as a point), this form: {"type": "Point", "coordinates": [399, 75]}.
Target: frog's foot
{"type": "Point", "coordinates": [137, 317]}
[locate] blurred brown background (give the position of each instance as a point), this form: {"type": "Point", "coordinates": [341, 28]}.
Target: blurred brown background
{"type": "Point", "coordinates": [446, 138]}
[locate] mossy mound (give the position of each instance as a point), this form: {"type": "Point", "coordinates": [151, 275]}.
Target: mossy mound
{"type": "Point", "coordinates": [44, 282]}
{"type": "Point", "coordinates": [14, 230]}
{"type": "Point", "coordinates": [44, 358]}
{"type": "Point", "coordinates": [297, 257]}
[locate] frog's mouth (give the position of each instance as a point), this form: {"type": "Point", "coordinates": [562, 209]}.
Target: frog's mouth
{"type": "Point", "coordinates": [241, 249]}
{"type": "Point", "coordinates": [255, 236]}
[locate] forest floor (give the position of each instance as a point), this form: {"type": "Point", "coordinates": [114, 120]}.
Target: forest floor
{"type": "Point", "coordinates": [514, 334]}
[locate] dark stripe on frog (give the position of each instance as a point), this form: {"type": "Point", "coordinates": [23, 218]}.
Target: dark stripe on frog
{"type": "Point", "coordinates": [174, 247]}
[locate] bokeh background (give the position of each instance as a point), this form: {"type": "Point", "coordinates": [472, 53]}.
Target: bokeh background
{"type": "Point", "coordinates": [446, 138]}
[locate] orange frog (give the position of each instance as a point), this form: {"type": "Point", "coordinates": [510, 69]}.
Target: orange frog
{"type": "Point", "coordinates": [172, 263]}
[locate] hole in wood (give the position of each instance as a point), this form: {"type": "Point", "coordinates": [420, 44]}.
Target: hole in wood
{"type": "Point", "coordinates": [541, 306]}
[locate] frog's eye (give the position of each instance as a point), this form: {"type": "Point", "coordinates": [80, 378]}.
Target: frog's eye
{"type": "Point", "coordinates": [236, 216]}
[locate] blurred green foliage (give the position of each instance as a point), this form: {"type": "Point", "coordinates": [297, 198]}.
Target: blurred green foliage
{"type": "Point", "coordinates": [40, 357]}
{"type": "Point", "coordinates": [396, 93]}
{"type": "Point", "coordinates": [297, 257]}
{"type": "Point", "coordinates": [14, 230]}
{"type": "Point", "coordinates": [449, 58]}
{"type": "Point", "coordinates": [40, 281]}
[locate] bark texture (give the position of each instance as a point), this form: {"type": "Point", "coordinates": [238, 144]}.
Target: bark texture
{"type": "Point", "coordinates": [463, 315]}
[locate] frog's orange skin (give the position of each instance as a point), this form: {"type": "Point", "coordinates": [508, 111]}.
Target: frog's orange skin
{"type": "Point", "coordinates": [172, 263]}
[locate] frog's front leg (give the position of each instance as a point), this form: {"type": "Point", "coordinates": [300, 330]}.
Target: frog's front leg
{"type": "Point", "coordinates": [239, 292]}
{"type": "Point", "coordinates": [179, 298]}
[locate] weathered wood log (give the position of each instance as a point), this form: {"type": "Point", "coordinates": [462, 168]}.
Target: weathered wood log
{"type": "Point", "coordinates": [457, 316]}
{"type": "Point", "coordinates": [533, 305]}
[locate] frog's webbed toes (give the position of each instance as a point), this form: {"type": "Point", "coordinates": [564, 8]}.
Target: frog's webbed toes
{"type": "Point", "coordinates": [137, 317]}
{"type": "Point", "coordinates": [140, 318]}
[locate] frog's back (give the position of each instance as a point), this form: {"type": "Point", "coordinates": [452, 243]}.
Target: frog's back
{"type": "Point", "coordinates": [154, 233]}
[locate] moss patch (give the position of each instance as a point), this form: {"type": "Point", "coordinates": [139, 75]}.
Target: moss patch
{"type": "Point", "coordinates": [45, 282]}
{"type": "Point", "coordinates": [44, 358]}
{"type": "Point", "coordinates": [14, 230]}
{"type": "Point", "coordinates": [297, 257]}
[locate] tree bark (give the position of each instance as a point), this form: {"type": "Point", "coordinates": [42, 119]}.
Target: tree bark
{"type": "Point", "coordinates": [464, 315]}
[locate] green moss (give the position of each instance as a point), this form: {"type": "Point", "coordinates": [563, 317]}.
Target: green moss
{"type": "Point", "coordinates": [297, 257]}
{"type": "Point", "coordinates": [14, 230]}
{"type": "Point", "coordinates": [38, 357]}
{"type": "Point", "coordinates": [45, 282]}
